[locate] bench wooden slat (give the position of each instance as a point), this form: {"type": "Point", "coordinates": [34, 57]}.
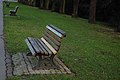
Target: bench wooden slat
{"type": "Point", "coordinates": [54, 31]}
{"type": "Point", "coordinates": [36, 47]}
{"type": "Point", "coordinates": [46, 48]}
{"type": "Point", "coordinates": [49, 46]}
{"type": "Point", "coordinates": [52, 39]}
{"type": "Point", "coordinates": [51, 43]}
{"type": "Point", "coordinates": [41, 49]}
{"type": "Point", "coordinates": [54, 35]}
{"type": "Point", "coordinates": [16, 8]}
{"type": "Point", "coordinates": [57, 29]}
{"type": "Point", "coordinates": [30, 47]}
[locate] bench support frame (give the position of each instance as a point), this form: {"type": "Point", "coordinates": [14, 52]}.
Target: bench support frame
{"type": "Point", "coordinates": [41, 59]}
{"type": "Point", "coordinates": [12, 13]}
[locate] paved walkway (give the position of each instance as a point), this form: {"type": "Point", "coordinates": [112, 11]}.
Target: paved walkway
{"type": "Point", "coordinates": [2, 51]}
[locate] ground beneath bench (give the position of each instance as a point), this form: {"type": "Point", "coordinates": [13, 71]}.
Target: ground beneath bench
{"type": "Point", "coordinates": [22, 65]}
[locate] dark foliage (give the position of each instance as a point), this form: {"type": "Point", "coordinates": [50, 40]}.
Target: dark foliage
{"type": "Point", "coordinates": [106, 10]}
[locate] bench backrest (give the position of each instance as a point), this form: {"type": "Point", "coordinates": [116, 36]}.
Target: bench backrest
{"type": "Point", "coordinates": [16, 8]}
{"type": "Point", "coordinates": [53, 36]}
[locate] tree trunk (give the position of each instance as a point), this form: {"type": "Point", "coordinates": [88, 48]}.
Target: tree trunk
{"type": "Point", "coordinates": [53, 5]}
{"type": "Point", "coordinates": [118, 27]}
{"type": "Point", "coordinates": [41, 3]}
{"type": "Point", "coordinates": [62, 6]}
{"type": "Point", "coordinates": [75, 8]}
{"type": "Point", "coordinates": [37, 3]}
{"type": "Point", "coordinates": [47, 2]}
{"type": "Point", "coordinates": [92, 11]}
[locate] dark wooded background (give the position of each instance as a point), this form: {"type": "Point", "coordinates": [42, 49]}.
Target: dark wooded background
{"type": "Point", "coordinates": [107, 11]}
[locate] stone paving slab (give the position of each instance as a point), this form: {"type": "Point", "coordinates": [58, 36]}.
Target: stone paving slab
{"type": "Point", "coordinates": [9, 65]}
{"type": "Point", "coordinates": [23, 65]}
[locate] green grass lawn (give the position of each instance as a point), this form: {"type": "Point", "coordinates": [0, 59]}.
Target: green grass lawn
{"type": "Point", "coordinates": [91, 51]}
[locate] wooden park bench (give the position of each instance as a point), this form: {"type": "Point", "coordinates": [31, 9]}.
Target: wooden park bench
{"type": "Point", "coordinates": [47, 46]}
{"type": "Point", "coordinates": [7, 3]}
{"type": "Point", "coordinates": [13, 12]}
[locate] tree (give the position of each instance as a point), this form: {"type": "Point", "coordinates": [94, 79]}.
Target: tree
{"type": "Point", "coordinates": [75, 8]}
{"type": "Point", "coordinates": [37, 3]}
{"type": "Point", "coordinates": [62, 6]}
{"type": "Point", "coordinates": [118, 27]}
{"type": "Point", "coordinates": [47, 2]}
{"type": "Point", "coordinates": [41, 3]}
{"type": "Point", "coordinates": [92, 11]}
{"type": "Point", "coordinates": [53, 5]}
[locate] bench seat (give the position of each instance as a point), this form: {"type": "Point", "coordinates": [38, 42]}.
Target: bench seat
{"type": "Point", "coordinates": [38, 46]}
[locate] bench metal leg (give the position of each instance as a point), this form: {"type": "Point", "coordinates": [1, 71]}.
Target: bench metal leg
{"type": "Point", "coordinates": [39, 64]}
{"type": "Point", "coordinates": [52, 62]}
